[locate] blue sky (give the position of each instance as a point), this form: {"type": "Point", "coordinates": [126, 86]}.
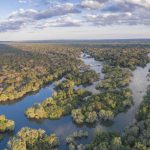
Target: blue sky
{"type": "Point", "coordinates": [74, 19]}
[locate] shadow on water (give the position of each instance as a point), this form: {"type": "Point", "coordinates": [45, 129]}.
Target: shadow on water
{"type": "Point", "coordinates": [65, 126]}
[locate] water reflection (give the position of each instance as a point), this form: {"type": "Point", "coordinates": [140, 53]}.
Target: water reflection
{"type": "Point", "coordinates": [94, 65]}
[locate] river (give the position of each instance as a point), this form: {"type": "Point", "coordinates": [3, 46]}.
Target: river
{"type": "Point", "coordinates": [65, 126]}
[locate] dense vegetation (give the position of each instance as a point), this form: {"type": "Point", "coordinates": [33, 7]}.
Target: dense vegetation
{"type": "Point", "coordinates": [138, 135]}
{"type": "Point", "coordinates": [71, 139]}
{"type": "Point", "coordinates": [85, 76]}
{"type": "Point", "coordinates": [84, 109]}
{"type": "Point", "coordinates": [114, 97]}
{"type": "Point", "coordinates": [144, 110]}
{"type": "Point", "coordinates": [125, 56]}
{"type": "Point", "coordinates": [135, 137]}
{"type": "Point", "coordinates": [115, 78]}
{"type": "Point", "coordinates": [1, 137]}
{"type": "Point", "coordinates": [63, 101]}
{"type": "Point", "coordinates": [38, 65]}
{"type": "Point", "coordinates": [104, 106]}
{"type": "Point", "coordinates": [31, 139]}
{"type": "Point", "coordinates": [5, 124]}
{"type": "Point", "coordinates": [106, 141]}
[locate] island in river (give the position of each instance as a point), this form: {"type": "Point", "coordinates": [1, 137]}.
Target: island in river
{"type": "Point", "coordinates": [59, 92]}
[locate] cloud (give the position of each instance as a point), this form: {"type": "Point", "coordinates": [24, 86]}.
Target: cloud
{"type": "Point", "coordinates": [64, 21]}
{"type": "Point", "coordinates": [144, 3]}
{"type": "Point", "coordinates": [10, 25]}
{"type": "Point", "coordinates": [23, 14]}
{"type": "Point", "coordinates": [58, 10]}
{"type": "Point", "coordinates": [91, 4]}
{"type": "Point", "coordinates": [121, 12]}
{"type": "Point", "coordinates": [121, 18]}
{"type": "Point", "coordinates": [26, 1]}
{"type": "Point", "coordinates": [32, 16]}
{"type": "Point", "coordinates": [88, 13]}
{"type": "Point", "coordinates": [22, 1]}
{"type": "Point", "coordinates": [118, 7]}
{"type": "Point", "coordinates": [108, 19]}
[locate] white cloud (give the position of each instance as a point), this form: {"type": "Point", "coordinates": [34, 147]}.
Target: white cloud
{"type": "Point", "coordinates": [32, 16]}
{"type": "Point", "coordinates": [123, 18]}
{"type": "Point", "coordinates": [145, 3]}
{"type": "Point", "coordinates": [8, 25]}
{"type": "Point", "coordinates": [92, 4]}
{"type": "Point", "coordinates": [63, 21]}
{"type": "Point", "coordinates": [58, 10]}
{"type": "Point", "coordinates": [83, 13]}
{"type": "Point", "coordinates": [22, 1]}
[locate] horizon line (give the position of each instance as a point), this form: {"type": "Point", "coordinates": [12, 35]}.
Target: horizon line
{"type": "Point", "coordinates": [77, 39]}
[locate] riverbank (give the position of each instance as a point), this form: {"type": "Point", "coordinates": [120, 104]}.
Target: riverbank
{"type": "Point", "coordinates": [65, 126]}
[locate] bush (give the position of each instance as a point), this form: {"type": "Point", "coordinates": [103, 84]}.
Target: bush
{"type": "Point", "coordinates": [33, 139]}
{"type": "Point", "coordinates": [5, 124]}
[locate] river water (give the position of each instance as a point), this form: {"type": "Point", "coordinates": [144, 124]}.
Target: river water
{"type": "Point", "coordinates": [65, 126]}
{"type": "Point", "coordinates": [138, 85]}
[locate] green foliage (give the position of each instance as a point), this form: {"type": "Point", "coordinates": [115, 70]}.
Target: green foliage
{"type": "Point", "coordinates": [62, 102]}
{"type": "Point", "coordinates": [1, 137]}
{"type": "Point", "coordinates": [38, 65]}
{"type": "Point", "coordinates": [76, 135]}
{"type": "Point", "coordinates": [78, 116]}
{"type": "Point", "coordinates": [124, 56]}
{"type": "Point", "coordinates": [31, 139]}
{"type": "Point", "coordinates": [104, 106]}
{"type": "Point", "coordinates": [5, 124]}
{"type": "Point", "coordinates": [115, 78]}
{"type": "Point", "coordinates": [83, 77]}
{"type": "Point", "coordinates": [137, 135]}
{"type": "Point", "coordinates": [36, 112]}
{"type": "Point", "coordinates": [44, 63]}
{"type": "Point", "coordinates": [106, 141]}
{"type": "Point", "coordinates": [144, 111]}
{"type": "Point", "coordinates": [66, 84]}
{"type": "Point", "coordinates": [72, 139]}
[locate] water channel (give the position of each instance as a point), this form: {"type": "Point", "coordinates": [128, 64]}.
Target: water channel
{"type": "Point", "coordinates": [65, 126]}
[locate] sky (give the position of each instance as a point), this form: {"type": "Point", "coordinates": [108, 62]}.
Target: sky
{"type": "Point", "coordinates": [74, 19]}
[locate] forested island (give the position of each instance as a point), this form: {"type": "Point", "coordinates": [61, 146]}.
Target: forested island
{"type": "Point", "coordinates": [26, 68]}
{"type": "Point", "coordinates": [135, 137]}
